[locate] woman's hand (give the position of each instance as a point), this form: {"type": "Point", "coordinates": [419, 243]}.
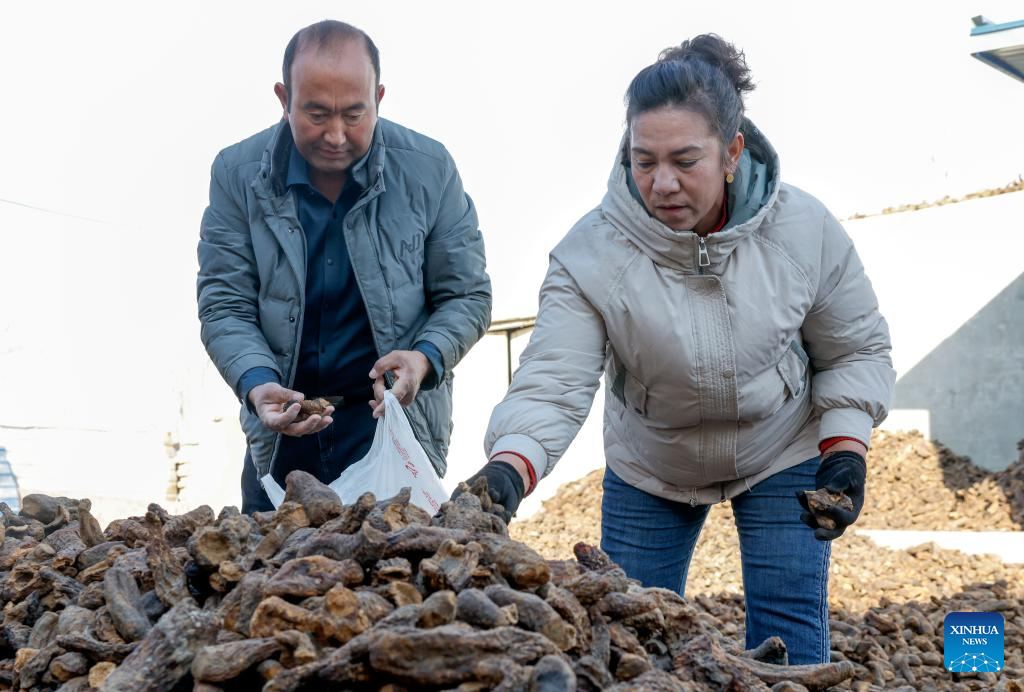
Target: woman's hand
{"type": "Point", "coordinates": [843, 471]}
{"type": "Point", "coordinates": [505, 485]}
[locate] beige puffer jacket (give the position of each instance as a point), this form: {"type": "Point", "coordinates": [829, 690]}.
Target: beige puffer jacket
{"type": "Point", "coordinates": [726, 359]}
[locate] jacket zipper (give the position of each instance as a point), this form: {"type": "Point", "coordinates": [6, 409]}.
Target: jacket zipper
{"type": "Point", "coordinates": [349, 225]}
{"type": "Point", "coordinates": [293, 366]}
{"type": "Point", "coordinates": [703, 258]}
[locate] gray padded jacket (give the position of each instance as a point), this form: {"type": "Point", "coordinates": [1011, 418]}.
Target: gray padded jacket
{"type": "Point", "coordinates": [726, 359]}
{"type": "Point", "coordinates": [416, 252]}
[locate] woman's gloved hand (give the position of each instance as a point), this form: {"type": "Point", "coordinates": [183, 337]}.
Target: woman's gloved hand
{"type": "Point", "coordinates": [840, 472]}
{"type": "Point", "coordinates": [504, 485]}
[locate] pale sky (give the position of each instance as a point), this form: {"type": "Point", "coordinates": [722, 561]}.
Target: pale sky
{"type": "Point", "coordinates": [115, 111]}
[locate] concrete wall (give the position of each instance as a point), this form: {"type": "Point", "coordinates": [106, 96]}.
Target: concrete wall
{"type": "Point", "coordinates": [973, 382]}
{"type": "Point", "coordinates": [950, 281]}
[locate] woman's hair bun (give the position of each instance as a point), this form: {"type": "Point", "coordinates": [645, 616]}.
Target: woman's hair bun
{"type": "Point", "coordinates": [705, 74]}
{"type": "Point", "coordinates": [717, 52]}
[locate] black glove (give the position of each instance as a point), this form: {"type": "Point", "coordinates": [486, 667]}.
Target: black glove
{"type": "Point", "coordinates": [841, 472]}
{"type": "Point", "coordinates": [504, 485]}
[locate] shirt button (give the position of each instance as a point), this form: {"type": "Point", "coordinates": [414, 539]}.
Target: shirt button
{"type": "Point", "coordinates": [330, 261]}
{"type": "Point", "coordinates": [291, 319]}
{"type": "Point", "coordinates": [728, 373]}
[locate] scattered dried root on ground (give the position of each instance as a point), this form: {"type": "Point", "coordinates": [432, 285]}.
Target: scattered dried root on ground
{"type": "Point", "coordinates": [887, 606]}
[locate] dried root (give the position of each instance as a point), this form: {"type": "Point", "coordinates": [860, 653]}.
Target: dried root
{"type": "Point", "coordinates": [374, 595]}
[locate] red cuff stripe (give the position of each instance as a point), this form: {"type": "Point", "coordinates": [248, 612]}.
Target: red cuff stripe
{"type": "Point", "coordinates": [828, 442]}
{"type": "Point", "coordinates": [529, 468]}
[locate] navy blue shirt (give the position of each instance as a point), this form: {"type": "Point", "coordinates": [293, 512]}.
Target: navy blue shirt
{"type": "Point", "coordinates": [336, 351]}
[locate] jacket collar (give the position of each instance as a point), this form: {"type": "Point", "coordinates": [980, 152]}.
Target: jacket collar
{"type": "Point", "coordinates": [298, 171]}
{"type": "Point", "coordinates": [272, 180]}
{"type": "Point", "coordinates": [751, 196]}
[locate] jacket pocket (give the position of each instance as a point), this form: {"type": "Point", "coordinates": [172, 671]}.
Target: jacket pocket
{"type": "Point", "coordinates": [635, 394]}
{"type": "Point", "coordinates": [793, 369]}
{"type": "Point", "coordinates": [279, 323]}
{"type": "Point", "coordinates": [629, 391]}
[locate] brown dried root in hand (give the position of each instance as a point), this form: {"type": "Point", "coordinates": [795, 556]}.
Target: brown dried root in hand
{"type": "Point", "coordinates": [309, 407]}
{"type": "Point", "coordinates": [821, 501]}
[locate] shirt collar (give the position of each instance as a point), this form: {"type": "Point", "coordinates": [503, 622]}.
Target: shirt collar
{"type": "Point", "coordinates": [298, 170]}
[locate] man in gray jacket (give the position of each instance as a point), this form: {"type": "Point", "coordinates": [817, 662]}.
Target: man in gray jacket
{"type": "Point", "coordinates": [339, 254]}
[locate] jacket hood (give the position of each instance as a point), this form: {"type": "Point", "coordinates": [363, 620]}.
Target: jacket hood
{"type": "Point", "coordinates": [751, 195]}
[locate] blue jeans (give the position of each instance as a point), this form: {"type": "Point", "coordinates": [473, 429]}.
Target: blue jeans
{"type": "Point", "coordinates": [785, 568]}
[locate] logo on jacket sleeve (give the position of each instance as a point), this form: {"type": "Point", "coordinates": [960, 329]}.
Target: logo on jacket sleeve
{"type": "Point", "coordinates": [973, 642]}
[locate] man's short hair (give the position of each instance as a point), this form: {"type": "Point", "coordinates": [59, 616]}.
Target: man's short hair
{"type": "Point", "coordinates": [321, 34]}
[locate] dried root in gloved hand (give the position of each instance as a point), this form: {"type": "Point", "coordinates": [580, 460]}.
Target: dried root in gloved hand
{"type": "Point", "coordinates": [820, 501]}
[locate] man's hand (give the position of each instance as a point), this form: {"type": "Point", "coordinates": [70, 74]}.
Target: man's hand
{"type": "Point", "coordinates": [504, 484]}
{"type": "Point", "coordinates": [269, 399]}
{"type": "Point", "coordinates": [840, 472]}
{"type": "Point", "coordinates": [409, 369]}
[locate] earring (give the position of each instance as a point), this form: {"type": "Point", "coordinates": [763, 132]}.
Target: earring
{"type": "Point", "coordinates": [729, 178]}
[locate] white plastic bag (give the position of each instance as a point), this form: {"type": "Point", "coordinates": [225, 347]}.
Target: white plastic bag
{"type": "Point", "coordinates": [395, 460]}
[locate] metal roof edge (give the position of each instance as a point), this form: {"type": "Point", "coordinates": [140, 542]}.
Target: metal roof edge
{"type": "Point", "coordinates": [995, 61]}
{"type": "Point", "coordinates": [992, 28]}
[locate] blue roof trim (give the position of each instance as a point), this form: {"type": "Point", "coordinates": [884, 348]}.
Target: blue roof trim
{"type": "Point", "coordinates": [999, 64]}
{"type": "Point", "coordinates": [992, 28]}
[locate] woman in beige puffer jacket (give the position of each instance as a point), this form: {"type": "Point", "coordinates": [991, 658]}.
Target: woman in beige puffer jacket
{"type": "Point", "coordinates": [737, 333]}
